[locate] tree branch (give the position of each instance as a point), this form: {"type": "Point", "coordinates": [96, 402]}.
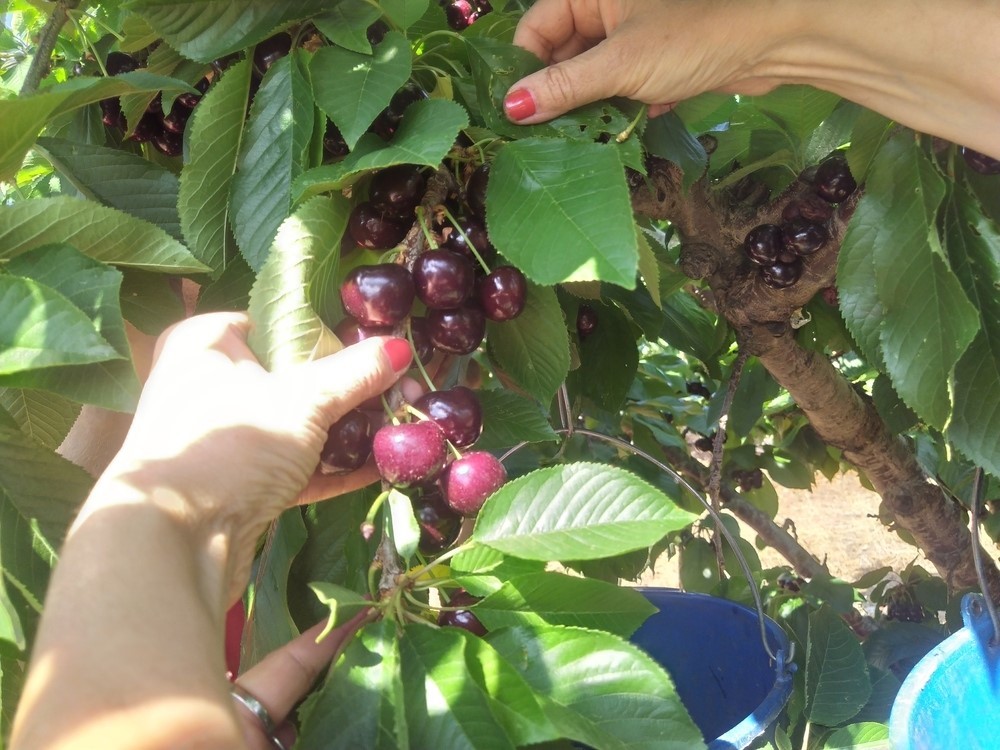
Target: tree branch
{"type": "Point", "coordinates": [46, 44]}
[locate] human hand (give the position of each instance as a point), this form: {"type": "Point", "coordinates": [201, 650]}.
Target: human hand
{"type": "Point", "coordinates": [653, 51]}
{"type": "Point", "coordinates": [225, 446]}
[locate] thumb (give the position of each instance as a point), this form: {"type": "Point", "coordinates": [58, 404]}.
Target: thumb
{"type": "Point", "coordinates": [563, 86]}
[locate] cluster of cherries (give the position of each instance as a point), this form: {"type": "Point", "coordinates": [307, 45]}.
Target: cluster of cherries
{"type": "Point", "coordinates": [461, 14]}
{"type": "Point", "coordinates": [163, 130]}
{"type": "Point", "coordinates": [905, 610]}
{"type": "Point", "coordinates": [980, 162]}
{"type": "Point", "coordinates": [779, 249]}
{"type": "Point", "coordinates": [748, 479]}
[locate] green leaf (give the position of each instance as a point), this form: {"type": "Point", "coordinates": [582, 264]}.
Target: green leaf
{"type": "Point", "coordinates": [509, 419]}
{"type": "Point", "coordinates": [44, 417]}
{"type": "Point", "coordinates": [273, 625]}
{"type": "Point", "coordinates": [342, 603]}
{"type": "Point", "coordinates": [667, 137]}
{"type": "Point", "coordinates": [798, 109]}
{"type": "Point", "coordinates": [870, 133]}
{"type": "Point", "coordinates": [599, 689]}
{"type": "Point", "coordinates": [404, 13]}
{"type": "Point", "coordinates": [163, 60]}
{"type": "Point", "coordinates": [755, 389]}
{"type": "Point", "coordinates": [22, 119]}
{"type": "Point", "coordinates": [649, 267]}
{"type": "Point", "coordinates": [150, 301]}
{"type": "Point", "coordinates": [94, 289]}
{"type": "Point", "coordinates": [608, 359]}
{"type": "Point", "coordinates": [837, 682]}
{"type": "Point", "coordinates": [352, 88]}
{"type": "Point", "coordinates": [533, 348]}
{"type": "Point", "coordinates": [691, 328]}
{"type": "Point", "coordinates": [361, 703]}
{"type": "Point", "coordinates": [41, 328]}
{"type": "Point", "coordinates": [215, 136]}
{"type": "Point", "coordinates": [403, 523]}
{"type": "Point", "coordinates": [864, 736]}
{"type": "Point", "coordinates": [273, 153]}
{"type": "Point", "coordinates": [558, 224]}
{"type": "Point", "coordinates": [577, 511]}
{"type": "Point", "coordinates": [424, 137]}
{"type": "Point", "coordinates": [230, 291]}
{"type": "Point", "coordinates": [482, 570]}
{"type": "Point", "coordinates": [549, 598]}
{"type": "Point", "coordinates": [346, 24]}
{"type": "Point", "coordinates": [11, 632]}
{"type": "Point", "coordinates": [104, 234]}
{"type": "Point", "coordinates": [973, 245]}
{"type": "Point", "coordinates": [204, 30]}
{"type": "Point", "coordinates": [928, 320]}
{"type": "Point", "coordinates": [286, 328]}
{"type": "Point", "coordinates": [118, 179]}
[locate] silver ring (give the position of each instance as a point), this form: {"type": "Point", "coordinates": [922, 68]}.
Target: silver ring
{"type": "Point", "coordinates": [250, 702]}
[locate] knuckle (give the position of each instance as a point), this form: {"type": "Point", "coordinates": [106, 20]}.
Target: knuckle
{"type": "Point", "coordinates": [560, 85]}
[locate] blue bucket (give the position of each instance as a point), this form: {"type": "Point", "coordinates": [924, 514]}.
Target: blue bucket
{"type": "Point", "coordinates": [712, 648]}
{"type": "Point", "coordinates": [951, 699]}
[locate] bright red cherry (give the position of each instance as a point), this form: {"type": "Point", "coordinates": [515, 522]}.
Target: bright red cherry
{"type": "Point", "coordinates": [412, 453]}
{"type": "Point", "coordinates": [469, 480]}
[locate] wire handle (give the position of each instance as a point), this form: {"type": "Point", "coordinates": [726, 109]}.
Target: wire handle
{"type": "Point", "coordinates": [978, 484]}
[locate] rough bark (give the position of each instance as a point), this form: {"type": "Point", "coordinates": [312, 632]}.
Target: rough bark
{"type": "Point", "coordinates": [712, 226]}
{"type": "Point", "coordinates": [46, 44]}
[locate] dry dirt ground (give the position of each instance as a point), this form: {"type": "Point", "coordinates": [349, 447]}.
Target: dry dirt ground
{"type": "Point", "coordinates": [836, 521]}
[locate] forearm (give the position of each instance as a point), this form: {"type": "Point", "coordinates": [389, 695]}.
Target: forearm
{"type": "Point", "coordinates": [129, 651]}
{"type": "Point", "coordinates": [932, 66]}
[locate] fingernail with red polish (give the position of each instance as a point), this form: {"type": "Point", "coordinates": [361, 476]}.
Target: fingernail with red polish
{"type": "Point", "coordinates": [519, 104]}
{"type": "Point", "coordinates": [398, 352]}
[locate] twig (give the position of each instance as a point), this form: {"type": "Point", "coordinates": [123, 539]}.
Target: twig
{"type": "Point", "coordinates": [715, 469]}
{"type": "Point", "coordinates": [46, 44]}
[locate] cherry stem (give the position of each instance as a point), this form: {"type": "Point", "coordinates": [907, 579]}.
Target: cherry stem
{"type": "Point", "coordinates": [376, 506]}
{"type": "Point", "coordinates": [388, 410]}
{"type": "Point", "coordinates": [416, 357]}
{"type": "Point", "coordinates": [414, 601]}
{"type": "Point", "coordinates": [454, 451]}
{"type": "Point", "coordinates": [428, 235]}
{"type": "Point", "coordinates": [454, 223]}
{"type": "Point", "coordinates": [417, 413]}
{"type": "Point", "coordinates": [627, 132]}
{"type": "Point", "coordinates": [414, 575]}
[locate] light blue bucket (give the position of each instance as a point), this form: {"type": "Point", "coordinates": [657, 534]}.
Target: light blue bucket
{"type": "Point", "coordinates": [951, 699]}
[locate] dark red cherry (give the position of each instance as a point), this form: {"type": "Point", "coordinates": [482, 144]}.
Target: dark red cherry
{"type": "Point", "coordinates": [458, 331]}
{"type": "Point", "coordinates": [980, 162]}
{"type": "Point", "coordinates": [469, 480]}
{"type": "Point", "coordinates": [148, 127]}
{"type": "Point", "coordinates": [461, 618]}
{"type": "Point", "coordinates": [503, 293]}
{"type": "Point", "coordinates": [475, 190]}
{"type": "Point", "coordinates": [444, 280]}
{"type": "Point", "coordinates": [397, 190]}
{"type": "Point", "coordinates": [189, 100]}
{"type": "Point", "coordinates": [475, 232]}
{"type": "Point", "coordinates": [268, 52]}
{"type": "Point", "coordinates": [456, 411]}
{"type": "Point", "coordinates": [376, 229]}
{"type": "Point", "coordinates": [781, 275]}
{"type": "Point", "coordinates": [379, 295]}
{"type": "Point", "coordinates": [111, 113]}
{"type": "Point", "coordinates": [411, 453]}
{"type": "Point", "coordinates": [120, 62]}
{"type": "Point", "coordinates": [168, 144]}
{"type": "Point", "coordinates": [809, 207]}
{"type": "Point", "coordinates": [762, 244]}
{"type": "Point", "coordinates": [350, 332]}
{"type": "Point", "coordinates": [176, 120]}
{"type": "Point", "coordinates": [376, 32]}
{"type": "Point", "coordinates": [409, 94]}
{"type": "Point", "coordinates": [348, 444]}
{"type": "Point", "coordinates": [334, 144]}
{"type": "Point", "coordinates": [460, 14]}
{"type": "Point", "coordinates": [586, 321]}
{"type": "Point", "coordinates": [803, 237]}
{"type": "Point", "coordinates": [439, 524]}
{"type": "Point", "coordinates": [834, 181]}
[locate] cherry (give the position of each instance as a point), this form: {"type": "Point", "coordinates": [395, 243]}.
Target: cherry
{"type": "Point", "coordinates": [421, 339]}
{"type": "Point", "coordinates": [334, 144]}
{"type": "Point", "coordinates": [809, 207]}
{"type": "Point", "coordinates": [781, 275]}
{"type": "Point", "coordinates": [462, 618]}
{"type": "Point", "coordinates": [980, 162]}
{"type": "Point", "coordinates": [586, 321]}
{"type": "Point", "coordinates": [475, 190]}
{"type": "Point", "coordinates": [375, 229]}
{"type": "Point", "coordinates": [389, 118]}
{"type": "Point", "coordinates": [176, 120]}
{"type": "Point", "coordinates": [348, 444]}
{"type": "Point", "coordinates": [469, 480]}
{"type": "Point", "coordinates": [350, 332]}
{"type": "Point", "coordinates": [168, 144]}
{"type": "Point", "coordinates": [268, 52]}
{"type": "Point", "coordinates": [704, 444]}
{"type": "Point", "coordinates": [475, 231]}
{"type": "Point", "coordinates": [439, 524]}
{"type": "Point", "coordinates": [830, 296]}
{"type": "Point", "coordinates": [397, 190]}
{"type": "Point", "coordinates": [111, 113]}
{"type": "Point", "coordinates": [456, 411]}
{"type": "Point", "coordinates": [148, 127]}
{"type": "Point", "coordinates": [443, 279]}
{"type": "Point", "coordinates": [763, 243]}
{"type": "Point", "coordinates": [460, 14]}
{"type": "Point", "coordinates": [698, 389]}
{"type": "Point", "coordinates": [120, 62]}
{"type": "Point", "coordinates": [503, 293]}
{"type": "Point", "coordinates": [834, 181]}
{"type": "Point", "coordinates": [189, 100]}
{"type": "Point", "coordinates": [803, 237]}
{"type": "Point", "coordinates": [379, 295]}
{"type": "Point", "coordinates": [376, 32]}
{"type": "Point", "coordinates": [410, 453]}
{"type": "Point", "coordinates": [458, 331]}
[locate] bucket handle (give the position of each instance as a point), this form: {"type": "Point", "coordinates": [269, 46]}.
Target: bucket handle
{"type": "Point", "coordinates": [780, 658]}
{"type": "Point", "coordinates": [978, 483]}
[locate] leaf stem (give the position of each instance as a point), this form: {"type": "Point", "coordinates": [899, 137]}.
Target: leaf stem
{"type": "Point", "coordinates": [627, 132]}
{"type": "Point", "coordinates": [415, 575]}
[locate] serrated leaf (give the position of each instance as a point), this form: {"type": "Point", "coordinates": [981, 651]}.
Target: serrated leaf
{"type": "Point", "coordinates": [346, 24]}
{"type": "Point", "coordinates": [863, 736]}
{"type": "Point", "coordinates": [870, 132]}
{"type": "Point", "coordinates": [533, 348]}
{"type": "Point", "coordinates": [928, 321]}
{"type": "Point", "coordinates": [690, 327]}
{"type": "Point", "coordinates": [858, 298]}
{"type": "Point", "coordinates": [361, 703]}
{"type": "Point", "coordinates": [559, 224]}
{"type": "Point", "coordinates": [482, 570]}
{"type": "Point", "coordinates": [667, 137]}
{"type": "Point", "coordinates": [150, 301]}
{"type": "Point", "coordinates": [118, 179]}
{"type": "Point", "coordinates": [163, 60]}
{"type": "Point", "coordinates": [837, 682]}
{"type": "Point", "coordinates": [204, 30]}
{"type": "Point", "coordinates": [509, 419]}
{"type": "Point", "coordinates": [273, 153]}
{"type": "Point", "coordinates": [11, 632]}
{"type": "Point", "coordinates": [230, 291]}
{"type": "Point", "coordinates": [342, 603]}
{"type": "Point", "coordinates": [424, 137]}
{"type": "Point", "coordinates": [44, 417]}
{"type": "Point", "coordinates": [649, 267]}
{"type": "Point", "coordinates": [41, 328]}
{"type": "Point", "coordinates": [578, 511]}
{"type": "Point", "coordinates": [599, 689]}
{"type": "Point", "coordinates": [549, 598]}
{"type": "Point", "coordinates": [286, 328]}
{"type": "Point", "coordinates": [608, 359]}
{"type": "Point", "coordinates": [215, 136]}
{"type": "Point", "coordinates": [104, 234]}
{"type": "Point", "coordinates": [403, 523]}
{"type": "Point", "coordinates": [22, 119]}
{"type": "Point", "coordinates": [973, 245]}
{"type": "Point", "coordinates": [352, 88]}
{"type": "Point", "coordinates": [404, 13]}
{"type": "Point", "coordinates": [799, 109]}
